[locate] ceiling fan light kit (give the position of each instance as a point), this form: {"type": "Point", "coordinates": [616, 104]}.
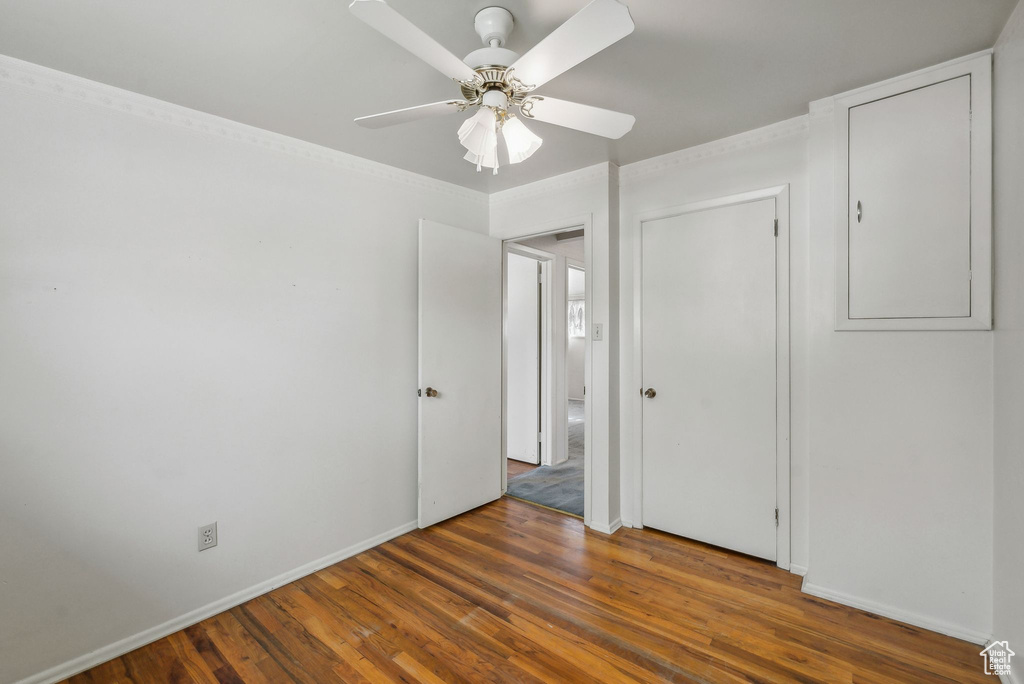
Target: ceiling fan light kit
{"type": "Point", "coordinates": [520, 140]}
{"type": "Point", "coordinates": [479, 135]}
{"type": "Point", "coordinates": [500, 83]}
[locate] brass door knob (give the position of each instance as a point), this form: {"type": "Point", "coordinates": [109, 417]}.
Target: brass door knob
{"type": "Point", "coordinates": [431, 392]}
{"type": "Point", "coordinates": [650, 393]}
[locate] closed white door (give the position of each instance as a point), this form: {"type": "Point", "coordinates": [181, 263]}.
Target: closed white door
{"type": "Point", "coordinates": [523, 344]}
{"type": "Point", "coordinates": [709, 369]}
{"type": "Point", "coordinates": [460, 371]}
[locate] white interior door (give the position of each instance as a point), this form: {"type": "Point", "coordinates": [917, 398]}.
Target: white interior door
{"type": "Point", "coordinates": [460, 371]}
{"type": "Point", "coordinates": [523, 359]}
{"type": "Point", "coordinates": [709, 357]}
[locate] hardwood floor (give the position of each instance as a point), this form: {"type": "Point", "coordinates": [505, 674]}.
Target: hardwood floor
{"type": "Point", "coordinates": [514, 592]}
{"type": "Point", "coordinates": [518, 467]}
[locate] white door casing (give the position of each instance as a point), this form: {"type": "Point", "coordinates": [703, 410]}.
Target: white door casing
{"type": "Point", "coordinates": [459, 357]}
{"type": "Point", "coordinates": [720, 368]}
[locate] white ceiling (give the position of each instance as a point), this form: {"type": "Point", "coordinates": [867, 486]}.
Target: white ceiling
{"type": "Point", "coordinates": [693, 71]}
{"type": "Point", "coordinates": [572, 248]}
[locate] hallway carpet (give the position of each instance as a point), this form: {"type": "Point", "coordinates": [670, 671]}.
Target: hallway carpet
{"type": "Point", "coordinates": [559, 486]}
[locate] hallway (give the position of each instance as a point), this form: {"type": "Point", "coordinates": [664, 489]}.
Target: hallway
{"type": "Point", "coordinates": [559, 486]}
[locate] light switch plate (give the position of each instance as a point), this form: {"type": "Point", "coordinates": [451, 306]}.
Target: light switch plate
{"type": "Point", "coordinates": [598, 332]}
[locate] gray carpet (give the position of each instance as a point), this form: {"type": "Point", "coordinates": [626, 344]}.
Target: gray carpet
{"type": "Point", "coordinates": [558, 486]}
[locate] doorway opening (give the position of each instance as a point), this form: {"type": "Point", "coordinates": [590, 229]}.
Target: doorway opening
{"type": "Point", "coordinates": [544, 364]}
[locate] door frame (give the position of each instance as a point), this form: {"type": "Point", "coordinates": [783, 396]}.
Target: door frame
{"type": "Point", "coordinates": [546, 261]}
{"type": "Point", "coordinates": [780, 194]}
{"type": "Point", "coordinates": [586, 222]}
{"type": "Point", "coordinates": [579, 266]}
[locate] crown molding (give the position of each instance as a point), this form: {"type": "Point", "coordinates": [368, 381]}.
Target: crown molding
{"type": "Point", "coordinates": [822, 108]}
{"type": "Point", "coordinates": [553, 185]}
{"type": "Point", "coordinates": [1012, 26]}
{"type": "Point", "coordinates": [77, 91]}
{"type": "Point", "coordinates": [759, 136]}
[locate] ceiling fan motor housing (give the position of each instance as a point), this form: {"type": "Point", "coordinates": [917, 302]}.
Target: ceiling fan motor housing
{"type": "Point", "coordinates": [493, 25]}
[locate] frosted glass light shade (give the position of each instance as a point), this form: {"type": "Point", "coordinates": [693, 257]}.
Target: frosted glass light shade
{"type": "Point", "coordinates": [520, 140]}
{"type": "Point", "coordinates": [488, 159]}
{"type": "Point", "coordinates": [479, 135]}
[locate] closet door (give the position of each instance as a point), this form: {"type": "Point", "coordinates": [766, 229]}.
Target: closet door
{"type": "Point", "coordinates": [910, 204]}
{"type": "Point", "coordinates": [710, 440]}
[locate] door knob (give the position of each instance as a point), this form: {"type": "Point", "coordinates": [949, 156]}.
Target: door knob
{"type": "Point", "coordinates": [431, 392]}
{"type": "Point", "coordinates": [650, 393]}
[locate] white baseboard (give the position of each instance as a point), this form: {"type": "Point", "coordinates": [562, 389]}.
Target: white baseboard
{"type": "Point", "coordinates": [797, 569]}
{"type": "Point", "coordinates": [884, 610]}
{"type": "Point", "coordinates": [610, 529]}
{"type": "Point", "coordinates": [119, 648]}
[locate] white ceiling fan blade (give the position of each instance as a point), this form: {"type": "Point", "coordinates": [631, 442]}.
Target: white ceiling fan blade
{"type": "Point", "coordinates": [380, 16]}
{"type": "Point", "coordinates": [592, 29]}
{"type": "Point", "coordinates": [603, 122]}
{"type": "Point", "coordinates": [401, 116]}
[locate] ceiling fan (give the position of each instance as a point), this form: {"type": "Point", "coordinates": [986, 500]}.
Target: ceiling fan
{"type": "Point", "coordinates": [500, 84]}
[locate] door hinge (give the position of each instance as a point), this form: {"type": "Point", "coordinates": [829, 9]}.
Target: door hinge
{"type": "Point", "coordinates": [419, 393]}
{"type": "Point", "coordinates": [776, 227]}
{"type": "Point", "coordinates": [540, 436]}
{"type": "Point", "coordinates": [970, 275]}
{"type": "Point", "coordinates": [776, 517]}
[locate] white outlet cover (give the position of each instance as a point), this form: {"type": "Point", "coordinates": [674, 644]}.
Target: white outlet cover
{"type": "Point", "coordinates": [207, 536]}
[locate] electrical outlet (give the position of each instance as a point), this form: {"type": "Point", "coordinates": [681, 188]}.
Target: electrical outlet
{"type": "Point", "coordinates": [207, 536]}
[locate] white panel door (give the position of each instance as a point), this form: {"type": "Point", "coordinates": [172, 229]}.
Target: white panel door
{"type": "Point", "coordinates": [460, 363]}
{"type": "Point", "coordinates": [523, 345]}
{"type": "Point", "coordinates": [910, 204]}
{"type": "Point", "coordinates": [709, 355]}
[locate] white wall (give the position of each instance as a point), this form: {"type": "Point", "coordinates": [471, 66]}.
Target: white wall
{"type": "Point", "coordinates": [900, 447]}
{"type": "Point", "coordinates": [1009, 337]}
{"type": "Point", "coordinates": [763, 158]}
{"type": "Point", "coordinates": [576, 348]}
{"type": "Point", "coordinates": [201, 321]}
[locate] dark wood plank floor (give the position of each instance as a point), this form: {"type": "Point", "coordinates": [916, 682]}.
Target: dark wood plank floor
{"type": "Point", "coordinates": [518, 467]}
{"type": "Point", "coordinates": [514, 592]}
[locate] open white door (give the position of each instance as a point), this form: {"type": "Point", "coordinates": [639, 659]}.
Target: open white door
{"type": "Point", "coordinates": [522, 358]}
{"type": "Point", "coordinates": [460, 371]}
